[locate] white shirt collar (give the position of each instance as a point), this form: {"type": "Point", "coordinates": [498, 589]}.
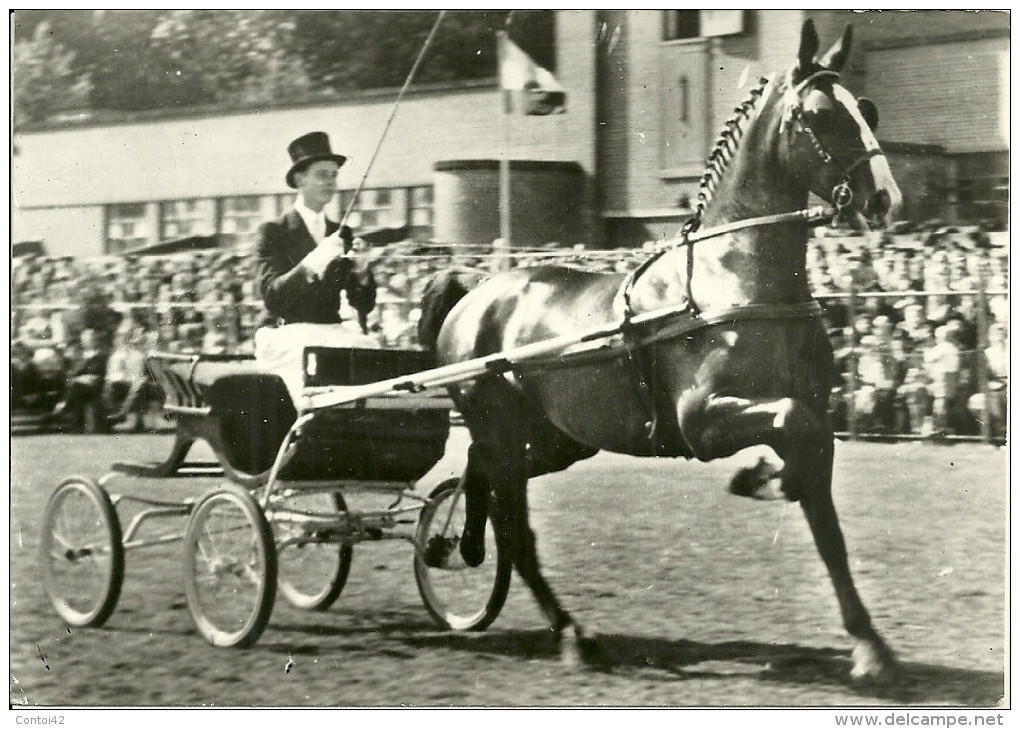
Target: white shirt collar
{"type": "Point", "coordinates": [313, 220]}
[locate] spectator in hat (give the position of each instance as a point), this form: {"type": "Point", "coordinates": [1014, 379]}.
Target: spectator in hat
{"type": "Point", "coordinates": [303, 259]}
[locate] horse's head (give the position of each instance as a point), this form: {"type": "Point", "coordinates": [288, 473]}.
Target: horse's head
{"type": "Point", "coordinates": [829, 140]}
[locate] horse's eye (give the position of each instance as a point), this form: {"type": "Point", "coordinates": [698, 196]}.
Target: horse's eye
{"type": "Point", "coordinates": [869, 111]}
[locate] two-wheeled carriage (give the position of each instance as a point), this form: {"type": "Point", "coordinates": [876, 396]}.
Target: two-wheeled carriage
{"type": "Point", "coordinates": [280, 521]}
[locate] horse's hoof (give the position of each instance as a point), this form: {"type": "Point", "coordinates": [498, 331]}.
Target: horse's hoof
{"type": "Point", "coordinates": [472, 550]}
{"type": "Point", "coordinates": [580, 651]}
{"type": "Point", "coordinates": [874, 662]}
{"type": "Point", "coordinates": [759, 482]}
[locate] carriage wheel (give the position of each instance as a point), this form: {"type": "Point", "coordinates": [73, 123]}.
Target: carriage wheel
{"type": "Point", "coordinates": [457, 597]}
{"type": "Point", "coordinates": [229, 567]}
{"type": "Point", "coordinates": [81, 552]}
{"type": "Point", "coordinates": [312, 574]}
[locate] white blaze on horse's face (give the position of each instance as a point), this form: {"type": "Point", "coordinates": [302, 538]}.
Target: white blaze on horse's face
{"type": "Point", "coordinates": [879, 165]}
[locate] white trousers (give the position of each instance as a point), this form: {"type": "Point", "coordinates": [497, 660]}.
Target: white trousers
{"type": "Point", "coordinates": [280, 350]}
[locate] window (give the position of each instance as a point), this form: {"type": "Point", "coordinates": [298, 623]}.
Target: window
{"type": "Point", "coordinates": [374, 209]}
{"type": "Point", "coordinates": [421, 207]}
{"type": "Point", "coordinates": [239, 219]}
{"type": "Point", "coordinates": [685, 24]}
{"type": "Point", "coordinates": [684, 85]}
{"type": "Point", "coordinates": [126, 227]}
{"type": "Point", "coordinates": [984, 200]}
{"type": "Point", "coordinates": [185, 218]}
{"type": "Point", "coordinates": [682, 24]}
{"type": "Point", "coordinates": [982, 189]}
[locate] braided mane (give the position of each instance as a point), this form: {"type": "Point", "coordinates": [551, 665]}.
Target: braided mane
{"type": "Point", "coordinates": [722, 154]}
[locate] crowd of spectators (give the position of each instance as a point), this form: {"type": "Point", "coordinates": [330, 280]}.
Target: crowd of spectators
{"type": "Point", "coordinates": [920, 327]}
{"type": "Point", "coordinates": [910, 356]}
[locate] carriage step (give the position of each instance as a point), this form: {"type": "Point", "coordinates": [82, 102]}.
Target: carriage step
{"type": "Point", "coordinates": [161, 470]}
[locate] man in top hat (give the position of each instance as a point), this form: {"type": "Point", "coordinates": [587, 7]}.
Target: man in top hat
{"type": "Point", "coordinates": [303, 263]}
{"type": "Point", "coordinates": [304, 259]}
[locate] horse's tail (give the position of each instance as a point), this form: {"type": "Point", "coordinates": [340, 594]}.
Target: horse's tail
{"type": "Point", "coordinates": [441, 294]}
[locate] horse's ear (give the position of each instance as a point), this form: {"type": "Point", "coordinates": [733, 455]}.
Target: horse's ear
{"type": "Point", "coordinates": [808, 46]}
{"type": "Point", "coordinates": [835, 59]}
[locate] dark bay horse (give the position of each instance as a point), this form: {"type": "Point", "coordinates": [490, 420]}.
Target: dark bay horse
{"type": "Point", "coordinates": [754, 368]}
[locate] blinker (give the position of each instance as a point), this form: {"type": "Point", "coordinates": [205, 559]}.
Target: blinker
{"type": "Point", "coordinates": [869, 111]}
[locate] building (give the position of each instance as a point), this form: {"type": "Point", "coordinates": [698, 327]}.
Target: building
{"type": "Point", "coordinates": [647, 91]}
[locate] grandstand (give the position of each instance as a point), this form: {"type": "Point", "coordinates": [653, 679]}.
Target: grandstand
{"type": "Point", "coordinates": [919, 321]}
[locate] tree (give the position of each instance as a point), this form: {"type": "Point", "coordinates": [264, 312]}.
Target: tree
{"type": "Point", "coordinates": [376, 48]}
{"type": "Point", "coordinates": [132, 60]}
{"type": "Point", "coordinates": [231, 56]}
{"type": "Point", "coordinates": [44, 78]}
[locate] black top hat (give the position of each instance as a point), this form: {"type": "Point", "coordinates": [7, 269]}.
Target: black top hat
{"type": "Point", "coordinates": [312, 147]}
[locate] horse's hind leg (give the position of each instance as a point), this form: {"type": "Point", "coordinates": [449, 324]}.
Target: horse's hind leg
{"type": "Point", "coordinates": [717, 427]}
{"type": "Point", "coordinates": [499, 456]}
{"type": "Point", "coordinates": [514, 534]}
{"type": "Point", "coordinates": [476, 507]}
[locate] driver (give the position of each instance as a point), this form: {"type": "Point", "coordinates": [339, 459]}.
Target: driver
{"type": "Point", "coordinates": [304, 264]}
{"type": "Point", "coordinates": [304, 260]}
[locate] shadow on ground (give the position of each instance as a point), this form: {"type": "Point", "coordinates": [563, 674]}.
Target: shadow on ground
{"type": "Point", "coordinates": [916, 683]}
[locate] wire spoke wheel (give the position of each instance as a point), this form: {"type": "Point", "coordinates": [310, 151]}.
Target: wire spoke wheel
{"type": "Point", "coordinates": [314, 563]}
{"type": "Point", "coordinates": [457, 596]}
{"type": "Point", "coordinates": [81, 553]}
{"type": "Point", "coordinates": [229, 568]}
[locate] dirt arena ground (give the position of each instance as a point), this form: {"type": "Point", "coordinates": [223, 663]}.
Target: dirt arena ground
{"type": "Point", "coordinates": [699, 598]}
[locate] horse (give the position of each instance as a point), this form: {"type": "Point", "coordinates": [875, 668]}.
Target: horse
{"type": "Point", "coordinates": [746, 361]}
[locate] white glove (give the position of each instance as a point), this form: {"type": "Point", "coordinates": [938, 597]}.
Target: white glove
{"type": "Point", "coordinates": [317, 261]}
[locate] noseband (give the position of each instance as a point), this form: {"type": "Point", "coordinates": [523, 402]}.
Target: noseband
{"type": "Point", "coordinates": [842, 195]}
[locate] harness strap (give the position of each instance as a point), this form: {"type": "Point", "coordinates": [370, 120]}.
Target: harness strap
{"type": "Point", "coordinates": [670, 324]}
{"type": "Point", "coordinates": [639, 370]}
{"type": "Point", "coordinates": [679, 324]}
{"type": "Point", "coordinates": [662, 325]}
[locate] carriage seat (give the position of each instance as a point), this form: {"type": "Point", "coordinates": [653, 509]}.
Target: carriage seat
{"type": "Point", "coordinates": [193, 384]}
{"type": "Point", "coordinates": [244, 413]}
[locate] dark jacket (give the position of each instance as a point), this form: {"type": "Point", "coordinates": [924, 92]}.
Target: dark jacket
{"type": "Point", "coordinates": [92, 365]}
{"type": "Point", "coordinates": [288, 290]}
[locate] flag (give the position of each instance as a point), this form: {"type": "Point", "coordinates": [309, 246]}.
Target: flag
{"type": "Point", "coordinates": [528, 89]}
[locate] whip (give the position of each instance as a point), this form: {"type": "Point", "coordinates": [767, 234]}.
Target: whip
{"type": "Point", "coordinates": [393, 112]}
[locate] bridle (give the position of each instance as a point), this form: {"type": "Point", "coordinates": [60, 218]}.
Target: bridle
{"type": "Point", "coordinates": [842, 195]}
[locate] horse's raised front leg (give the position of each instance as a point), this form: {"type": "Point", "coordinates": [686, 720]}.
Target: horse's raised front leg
{"type": "Point", "coordinates": [717, 427]}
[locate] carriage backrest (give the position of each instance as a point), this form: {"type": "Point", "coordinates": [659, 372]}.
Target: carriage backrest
{"type": "Point", "coordinates": [174, 375]}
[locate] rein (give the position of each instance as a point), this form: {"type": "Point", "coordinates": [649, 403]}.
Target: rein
{"type": "Point", "coordinates": [811, 216]}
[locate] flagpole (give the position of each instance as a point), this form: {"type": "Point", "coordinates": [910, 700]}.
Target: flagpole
{"type": "Point", "coordinates": [504, 190]}
{"type": "Point", "coordinates": [504, 162]}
